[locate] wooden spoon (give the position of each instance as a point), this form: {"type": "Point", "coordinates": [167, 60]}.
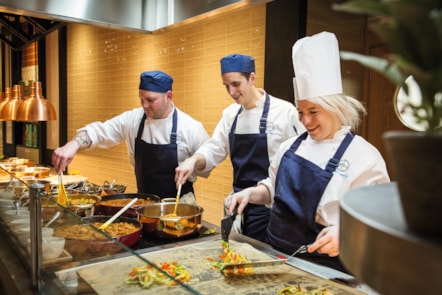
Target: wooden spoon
{"type": "Point", "coordinates": [177, 200]}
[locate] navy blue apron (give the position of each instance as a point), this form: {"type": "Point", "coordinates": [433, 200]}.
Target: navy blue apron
{"type": "Point", "coordinates": [250, 160]}
{"type": "Point", "coordinates": [300, 185]}
{"type": "Point", "coordinates": [155, 165]}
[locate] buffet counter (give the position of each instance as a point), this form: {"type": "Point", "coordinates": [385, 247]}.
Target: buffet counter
{"type": "Point", "coordinates": [106, 274]}
{"type": "Point", "coordinates": [82, 269]}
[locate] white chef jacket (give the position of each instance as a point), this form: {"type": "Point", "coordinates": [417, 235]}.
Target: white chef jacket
{"type": "Point", "coordinates": [124, 127]}
{"type": "Point", "coordinates": [282, 123]}
{"type": "Point", "coordinates": [360, 165]}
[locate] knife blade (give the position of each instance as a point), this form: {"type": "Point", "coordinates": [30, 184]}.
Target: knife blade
{"type": "Point", "coordinates": [260, 263]}
{"type": "Point", "coordinates": [227, 223]}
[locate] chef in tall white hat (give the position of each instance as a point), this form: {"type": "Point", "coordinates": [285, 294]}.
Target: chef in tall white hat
{"type": "Point", "coordinates": [311, 172]}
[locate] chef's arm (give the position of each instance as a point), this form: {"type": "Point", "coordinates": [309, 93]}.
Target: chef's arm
{"type": "Point", "coordinates": [255, 195]}
{"type": "Point", "coordinates": [185, 169]}
{"type": "Point", "coordinates": [64, 155]}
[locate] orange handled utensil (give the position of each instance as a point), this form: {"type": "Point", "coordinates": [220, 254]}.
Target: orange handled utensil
{"type": "Point", "coordinates": [62, 198]}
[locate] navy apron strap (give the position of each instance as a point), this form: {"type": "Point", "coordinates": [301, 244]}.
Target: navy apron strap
{"type": "Point", "coordinates": [141, 127]}
{"type": "Point", "coordinates": [173, 134]}
{"type": "Point", "coordinates": [265, 113]}
{"type": "Point", "coordinates": [334, 161]}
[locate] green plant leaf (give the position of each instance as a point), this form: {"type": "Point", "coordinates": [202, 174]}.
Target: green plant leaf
{"type": "Point", "coordinates": [389, 70]}
{"type": "Point", "coordinates": [369, 7]}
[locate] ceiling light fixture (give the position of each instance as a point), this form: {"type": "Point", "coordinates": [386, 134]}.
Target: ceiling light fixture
{"type": "Point", "coordinates": [9, 110]}
{"type": "Point", "coordinates": [36, 107]}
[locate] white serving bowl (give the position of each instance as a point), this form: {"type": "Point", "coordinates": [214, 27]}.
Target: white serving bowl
{"type": "Point", "coordinates": [52, 247]}
{"type": "Point", "coordinates": [10, 215]}
{"type": "Point", "coordinates": [19, 222]}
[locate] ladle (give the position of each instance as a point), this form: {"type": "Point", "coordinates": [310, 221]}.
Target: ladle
{"type": "Point", "coordinates": [62, 198]}
{"type": "Point", "coordinates": [56, 215]}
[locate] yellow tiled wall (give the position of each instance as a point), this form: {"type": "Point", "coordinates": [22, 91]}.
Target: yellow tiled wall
{"type": "Point", "coordinates": [103, 67]}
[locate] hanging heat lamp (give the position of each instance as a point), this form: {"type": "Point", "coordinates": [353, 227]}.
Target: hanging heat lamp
{"type": "Point", "coordinates": [6, 98]}
{"type": "Point", "coordinates": [36, 107]}
{"type": "Point", "coordinates": [9, 110]}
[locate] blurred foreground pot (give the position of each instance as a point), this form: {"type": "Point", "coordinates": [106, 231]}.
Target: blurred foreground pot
{"type": "Point", "coordinates": [416, 162]}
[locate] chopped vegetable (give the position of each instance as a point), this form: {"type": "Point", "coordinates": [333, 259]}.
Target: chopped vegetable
{"type": "Point", "coordinates": [146, 276]}
{"type": "Point", "coordinates": [298, 290]}
{"type": "Point", "coordinates": [229, 257]}
{"type": "Point", "coordinates": [210, 231]}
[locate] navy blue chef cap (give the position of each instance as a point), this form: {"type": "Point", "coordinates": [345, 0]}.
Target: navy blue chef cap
{"type": "Point", "coordinates": [237, 63]}
{"type": "Point", "coordinates": [156, 81]}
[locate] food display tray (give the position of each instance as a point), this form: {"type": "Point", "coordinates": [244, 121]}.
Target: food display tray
{"type": "Point", "coordinates": [108, 277]}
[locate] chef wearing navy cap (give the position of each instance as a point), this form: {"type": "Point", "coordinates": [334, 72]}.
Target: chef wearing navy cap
{"type": "Point", "coordinates": [310, 173]}
{"type": "Point", "coordinates": [158, 137]}
{"type": "Point", "coordinates": [250, 132]}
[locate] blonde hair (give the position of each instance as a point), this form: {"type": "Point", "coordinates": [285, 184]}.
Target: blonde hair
{"type": "Point", "coordinates": [348, 109]}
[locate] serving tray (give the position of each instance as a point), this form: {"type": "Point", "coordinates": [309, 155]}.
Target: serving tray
{"type": "Point", "coordinates": [108, 277]}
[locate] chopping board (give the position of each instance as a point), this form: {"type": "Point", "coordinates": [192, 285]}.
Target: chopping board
{"type": "Point", "coordinates": [108, 277]}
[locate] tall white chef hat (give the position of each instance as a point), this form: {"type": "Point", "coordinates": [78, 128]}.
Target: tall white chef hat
{"type": "Point", "coordinates": [317, 66]}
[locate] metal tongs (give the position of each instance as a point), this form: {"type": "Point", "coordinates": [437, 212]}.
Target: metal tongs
{"type": "Point", "coordinates": [227, 223]}
{"type": "Point", "coordinates": [260, 263]}
{"type": "Point", "coordinates": [301, 250]}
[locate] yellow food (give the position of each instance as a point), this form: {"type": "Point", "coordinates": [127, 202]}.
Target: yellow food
{"type": "Point", "coordinates": [298, 290]}
{"type": "Point", "coordinates": [146, 276]}
{"type": "Point", "coordinates": [85, 232]}
{"type": "Point", "coordinates": [230, 257]}
{"type": "Point", "coordinates": [81, 201]}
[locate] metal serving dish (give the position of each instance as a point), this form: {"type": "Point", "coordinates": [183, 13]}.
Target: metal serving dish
{"type": "Point", "coordinates": [81, 204]}
{"type": "Point", "coordinates": [80, 236]}
{"type": "Point", "coordinates": [37, 172]}
{"type": "Point", "coordinates": [111, 204]}
{"type": "Point", "coordinates": [157, 219]}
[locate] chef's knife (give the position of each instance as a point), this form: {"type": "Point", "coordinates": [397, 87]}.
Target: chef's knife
{"type": "Point", "coordinates": [253, 264]}
{"type": "Point", "coordinates": [227, 223]}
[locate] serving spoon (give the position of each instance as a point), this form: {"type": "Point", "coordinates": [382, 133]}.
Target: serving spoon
{"type": "Point", "coordinates": [62, 198]}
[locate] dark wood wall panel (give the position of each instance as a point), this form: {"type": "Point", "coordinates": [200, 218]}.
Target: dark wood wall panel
{"type": "Point", "coordinates": [285, 23]}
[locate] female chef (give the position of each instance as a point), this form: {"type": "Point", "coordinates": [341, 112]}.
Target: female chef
{"type": "Point", "coordinates": [250, 131]}
{"type": "Point", "coordinates": [310, 173]}
{"type": "Point", "coordinates": [158, 137]}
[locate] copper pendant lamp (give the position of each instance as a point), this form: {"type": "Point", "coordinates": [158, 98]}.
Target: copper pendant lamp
{"type": "Point", "coordinates": [36, 107]}
{"type": "Point", "coordinates": [9, 110]}
{"type": "Point", "coordinates": [6, 98]}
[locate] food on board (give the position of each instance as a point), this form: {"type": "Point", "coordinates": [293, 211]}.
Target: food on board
{"type": "Point", "coordinates": [229, 256]}
{"type": "Point", "coordinates": [146, 276]}
{"type": "Point", "coordinates": [298, 290]}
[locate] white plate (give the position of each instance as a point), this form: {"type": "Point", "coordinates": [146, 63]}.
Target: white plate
{"type": "Point", "coordinates": [67, 179]}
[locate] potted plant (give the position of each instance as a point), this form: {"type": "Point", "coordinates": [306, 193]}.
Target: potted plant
{"type": "Point", "coordinates": [412, 30]}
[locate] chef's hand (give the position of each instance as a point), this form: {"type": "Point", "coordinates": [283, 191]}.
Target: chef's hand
{"type": "Point", "coordinates": [327, 242]}
{"type": "Point", "coordinates": [186, 168]}
{"type": "Point", "coordinates": [255, 195]}
{"type": "Point", "coordinates": [62, 156]}
{"type": "Point", "coordinates": [240, 199]}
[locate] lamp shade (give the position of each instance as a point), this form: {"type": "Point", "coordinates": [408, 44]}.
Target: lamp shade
{"type": "Point", "coordinates": [9, 110]}
{"type": "Point", "coordinates": [36, 107]}
{"type": "Point", "coordinates": [6, 98]}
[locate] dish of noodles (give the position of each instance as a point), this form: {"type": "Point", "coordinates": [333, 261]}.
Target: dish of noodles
{"type": "Point", "coordinates": [85, 232]}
